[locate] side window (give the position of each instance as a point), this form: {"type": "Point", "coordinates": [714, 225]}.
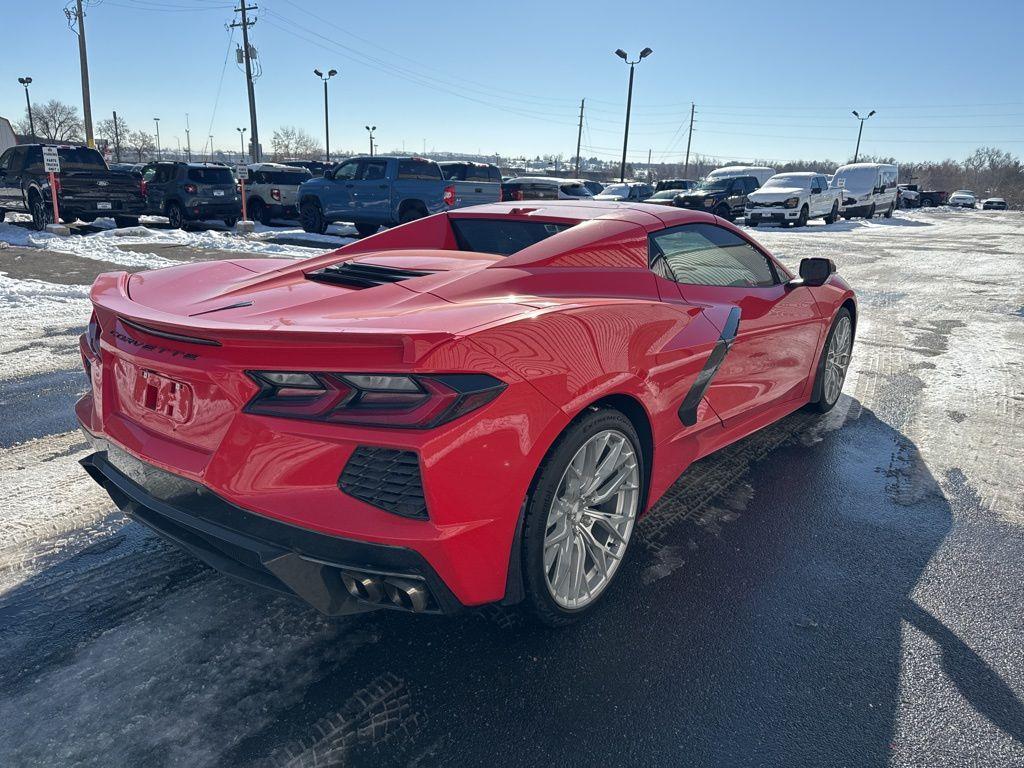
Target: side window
{"type": "Point", "coordinates": [422, 170]}
{"type": "Point", "coordinates": [33, 160]}
{"type": "Point", "coordinates": [705, 254]}
{"type": "Point", "coordinates": [493, 174]}
{"type": "Point", "coordinates": [17, 159]}
{"type": "Point", "coordinates": [148, 173]}
{"type": "Point", "coordinates": [373, 170]}
{"type": "Point", "coordinates": [5, 160]}
{"type": "Point", "coordinates": [749, 185]}
{"type": "Point", "coordinates": [347, 171]}
{"type": "Point", "coordinates": [542, 192]}
{"type": "Point", "coordinates": [477, 173]}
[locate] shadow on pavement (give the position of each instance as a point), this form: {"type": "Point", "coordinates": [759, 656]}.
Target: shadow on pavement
{"type": "Point", "coordinates": [758, 622]}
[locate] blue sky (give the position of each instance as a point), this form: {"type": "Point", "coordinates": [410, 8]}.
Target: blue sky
{"type": "Point", "coordinates": [944, 76]}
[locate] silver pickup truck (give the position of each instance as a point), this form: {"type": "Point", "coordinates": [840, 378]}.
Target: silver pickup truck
{"type": "Point", "coordinates": [793, 199]}
{"type": "Point", "coordinates": [475, 183]}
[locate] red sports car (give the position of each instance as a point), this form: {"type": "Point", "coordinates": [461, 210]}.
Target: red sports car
{"type": "Point", "coordinates": [474, 407]}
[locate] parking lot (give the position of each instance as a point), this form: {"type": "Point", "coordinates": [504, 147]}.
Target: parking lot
{"type": "Point", "coordinates": [838, 590]}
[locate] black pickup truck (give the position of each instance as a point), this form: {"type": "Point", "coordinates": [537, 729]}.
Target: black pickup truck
{"type": "Point", "coordinates": [86, 188]}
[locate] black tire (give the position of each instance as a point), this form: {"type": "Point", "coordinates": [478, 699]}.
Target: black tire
{"type": "Point", "coordinates": [871, 212]}
{"type": "Point", "coordinates": [927, 203]}
{"type": "Point", "coordinates": [42, 214]}
{"type": "Point", "coordinates": [365, 230]}
{"type": "Point", "coordinates": [411, 213]}
{"type": "Point", "coordinates": [752, 224]}
{"type": "Point", "coordinates": [175, 215]}
{"type": "Point", "coordinates": [802, 219]}
{"type": "Point", "coordinates": [230, 221]}
{"type": "Point", "coordinates": [311, 216]}
{"type": "Point", "coordinates": [888, 213]}
{"type": "Point", "coordinates": [723, 212]}
{"type": "Point", "coordinates": [257, 211]}
{"type": "Point", "coordinates": [538, 599]}
{"type": "Point", "coordinates": [818, 404]}
{"type": "Point", "coordinates": [834, 215]}
{"type": "Point", "coordinates": [126, 221]}
{"type": "Point", "coordinates": [3, 213]}
{"type": "Point", "coordinates": [86, 219]}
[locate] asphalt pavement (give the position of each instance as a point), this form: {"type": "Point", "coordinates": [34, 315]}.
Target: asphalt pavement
{"type": "Point", "coordinates": [837, 591]}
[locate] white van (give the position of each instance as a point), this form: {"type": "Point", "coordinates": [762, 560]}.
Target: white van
{"type": "Point", "coordinates": [868, 188]}
{"type": "Point", "coordinates": [7, 138]}
{"type": "Point", "coordinates": [732, 171]}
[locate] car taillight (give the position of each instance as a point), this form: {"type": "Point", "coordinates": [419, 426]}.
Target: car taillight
{"type": "Point", "coordinates": [143, 188]}
{"type": "Point", "coordinates": [191, 189]}
{"type": "Point", "coordinates": [275, 194]}
{"type": "Point", "coordinates": [449, 195]}
{"type": "Point", "coordinates": [56, 184]}
{"type": "Point", "coordinates": [92, 335]}
{"type": "Point", "coordinates": [374, 400]}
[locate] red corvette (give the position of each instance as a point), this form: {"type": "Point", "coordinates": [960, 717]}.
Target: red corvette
{"type": "Point", "coordinates": [471, 408]}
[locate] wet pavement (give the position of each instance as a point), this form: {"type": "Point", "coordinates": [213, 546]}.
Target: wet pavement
{"type": "Point", "coordinates": [832, 591]}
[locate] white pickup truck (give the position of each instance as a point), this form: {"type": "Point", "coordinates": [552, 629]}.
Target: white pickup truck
{"type": "Point", "coordinates": [793, 198]}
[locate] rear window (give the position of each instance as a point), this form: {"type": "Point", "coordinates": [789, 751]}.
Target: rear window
{"type": "Point", "coordinates": [419, 169]}
{"type": "Point", "coordinates": [211, 175]}
{"type": "Point", "coordinates": [502, 236]}
{"type": "Point", "coordinates": [575, 190]}
{"type": "Point", "coordinates": [454, 171]}
{"type": "Point", "coordinates": [71, 159]}
{"type": "Point", "coordinates": [282, 177]}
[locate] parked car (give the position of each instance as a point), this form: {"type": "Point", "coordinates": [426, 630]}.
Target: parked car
{"type": "Point", "coordinates": [475, 183]}
{"type": "Point", "coordinates": [994, 204]}
{"type": "Point", "coordinates": [664, 197]}
{"type": "Point", "coordinates": [593, 187]}
{"type": "Point", "coordinates": [371, 192]}
{"type": "Point", "coordinates": [272, 191]}
{"type": "Point", "coordinates": [725, 196]}
{"type": "Point", "coordinates": [189, 192]}
{"type": "Point", "coordinates": [86, 188]}
{"type": "Point", "coordinates": [761, 173]}
{"type": "Point", "coordinates": [315, 167]}
{"type": "Point", "coordinates": [630, 191]}
{"type": "Point", "coordinates": [680, 184]}
{"type": "Point", "coordinates": [868, 188]}
{"type": "Point", "coordinates": [912, 196]}
{"type": "Point", "coordinates": [793, 198]}
{"type": "Point", "coordinates": [489, 430]}
{"type": "Point", "coordinates": [963, 198]}
{"type": "Point", "coordinates": [544, 188]}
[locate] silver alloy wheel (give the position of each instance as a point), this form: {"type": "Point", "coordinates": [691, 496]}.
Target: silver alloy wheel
{"type": "Point", "coordinates": [591, 519]}
{"type": "Point", "coordinates": [837, 359]}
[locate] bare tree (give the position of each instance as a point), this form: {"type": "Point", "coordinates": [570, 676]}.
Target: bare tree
{"type": "Point", "coordinates": [105, 130]}
{"type": "Point", "coordinates": [55, 121]}
{"type": "Point", "coordinates": [141, 143]}
{"type": "Point", "coordinates": [291, 142]}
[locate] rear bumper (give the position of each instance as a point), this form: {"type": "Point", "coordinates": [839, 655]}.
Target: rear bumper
{"type": "Point", "coordinates": [210, 210]}
{"type": "Point", "coordinates": [332, 574]}
{"type": "Point", "coordinates": [116, 207]}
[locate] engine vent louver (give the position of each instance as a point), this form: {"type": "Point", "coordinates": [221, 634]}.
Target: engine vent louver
{"type": "Point", "coordinates": [358, 275]}
{"type": "Point", "coordinates": [385, 478]}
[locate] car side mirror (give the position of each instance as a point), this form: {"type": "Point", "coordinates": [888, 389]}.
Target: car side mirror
{"type": "Point", "coordinates": [329, 173]}
{"type": "Point", "coordinates": [815, 272]}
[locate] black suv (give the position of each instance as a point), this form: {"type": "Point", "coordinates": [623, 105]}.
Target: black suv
{"type": "Point", "coordinates": [86, 188]}
{"type": "Point", "coordinates": [725, 198]}
{"type": "Point", "coordinates": [185, 192]}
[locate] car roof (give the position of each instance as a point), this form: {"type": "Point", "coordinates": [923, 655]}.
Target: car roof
{"type": "Point", "coordinates": [586, 210]}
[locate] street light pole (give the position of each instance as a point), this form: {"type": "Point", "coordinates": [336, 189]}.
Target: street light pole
{"type": "Point", "coordinates": [371, 130]}
{"type": "Point", "coordinates": [327, 122]}
{"type": "Point", "coordinates": [241, 138]}
{"type": "Point", "coordinates": [860, 131]}
{"type": "Point", "coordinates": [188, 139]}
{"type": "Point", "coordinates": [26, 81]}
{"type": "Point", "coordinates": [629, 102]}
{"type": "Point", "coordinates": [159, 155]}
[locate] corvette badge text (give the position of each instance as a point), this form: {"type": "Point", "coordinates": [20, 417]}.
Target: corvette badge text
{"type": "Point", "coordinates": [154, 348]}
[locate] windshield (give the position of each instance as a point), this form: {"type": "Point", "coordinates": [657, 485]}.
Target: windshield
{"type": "Point", "coordinates": [211, 175]}
{"type": "Point", "coordinates": [502, 236]}
{"type": "Point", "coordinates": [667, 194]}
{"type": "Point", "coordinates": [787, 181]}
{"type": "Point", "coordinates": [616, 189]}
{"type": "Point", "coordinates": [856, 179]}
{"type": "Point", "coordinates": [717, 185]}
{"type": "Point", "coordinates": [283, 177]}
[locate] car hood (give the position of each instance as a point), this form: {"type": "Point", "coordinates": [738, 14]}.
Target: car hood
{"type": "Point", "coordinates": [962, 196]}
{"type": "Point", "coordinates": [610, 197]}
{"type": "Point", "coordinates": [775, 194]}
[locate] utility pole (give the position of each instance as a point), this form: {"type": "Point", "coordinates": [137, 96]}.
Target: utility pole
{"type": "Point", "coordinates": [159, 154]}
{"type": "Point", "coordinates": [209, 157]}
{"type": "Point", "coordinates": [254, 136]}
{"type": "Point", "coordinates": [188, 139]}
{"type": "Point", "coordinates": [83, 59]}
{"type": "Point", "coordinates": [686, 167]}
{"type": "Point", "coordinates": [370, 130]}
{"type": "Point", "coordinates": [117, 139]}
{"type": "Point", "coordinates": [579, 138]}
{"type": "Point", "coordinates": [649, 173]}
